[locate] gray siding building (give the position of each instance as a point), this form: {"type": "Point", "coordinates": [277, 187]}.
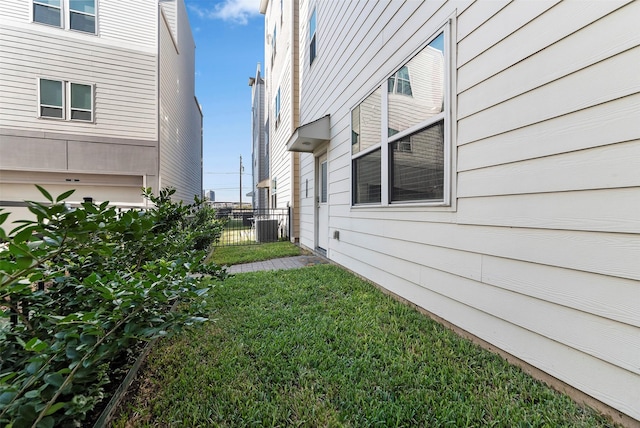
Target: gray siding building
{"type": "Point", "coordinates": [260, 147]}
{"type": "Point", "coordinates": [99, 98]}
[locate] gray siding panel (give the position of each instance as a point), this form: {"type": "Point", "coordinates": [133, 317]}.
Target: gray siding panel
{"type": "Point", "coordinates": [112, 157]}
{"type": "Point", "coordinates": [36, 153]}
{"type": "Point", "coordinates": [59, 152]}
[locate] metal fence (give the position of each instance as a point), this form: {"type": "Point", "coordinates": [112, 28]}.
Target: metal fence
{"type": "Point", "coordinates": [249, 226]}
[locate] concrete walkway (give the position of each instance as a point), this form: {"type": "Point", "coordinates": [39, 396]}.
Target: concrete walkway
{"type": "Point", "coordinates": [277, 264]}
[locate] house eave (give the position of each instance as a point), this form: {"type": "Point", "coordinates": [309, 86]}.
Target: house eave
{"type": "Point", "coordinates": [307, 138]}
{"type": "Point", "coordinates": [263, 6]}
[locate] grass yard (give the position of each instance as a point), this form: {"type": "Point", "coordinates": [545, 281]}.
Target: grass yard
{"type": "Point", "coordinates": [319, 347]}
{"type": "Point", "coordinates": [236, 236]}
{"type": "Point", "coordinates": [232, 255]}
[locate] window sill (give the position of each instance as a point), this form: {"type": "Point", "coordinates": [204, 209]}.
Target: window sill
{"type": "Point", "coordinates": [405, 206]}
{"type": "Point", "coordinates": [59, 119]}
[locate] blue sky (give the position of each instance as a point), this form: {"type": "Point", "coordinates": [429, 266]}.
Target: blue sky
{"type": "Point", "coordinates": [229, 44]}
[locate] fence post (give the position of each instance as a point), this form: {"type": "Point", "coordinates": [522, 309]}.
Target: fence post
{"type": "Point", "coordinates": [290, 223]}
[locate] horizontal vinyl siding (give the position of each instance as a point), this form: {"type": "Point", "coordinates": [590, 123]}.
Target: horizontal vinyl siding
{"type": "Point", "coordinates": [18, 10]}
{"type": "Point", "coordinates": [125, 88]}
{"type": "Point", "coordinates": [560, 21]}
{"type": "Point", "coordinates": [126, 24]}
{"type": "Point", "coordinates": [278, 74]}
{"type": "Point", "coordinates": [540, 256]}
{"type": "Point", "coordinates": [567, 133]}
{"type": "Point", "coordinates": [282, 160]}
{"type": "Point", "coordinates": [170, 10]}
{"type": "Point", "coordinates": [131, 22]}
{"type": "Point", "coordinates": [565, 95]}
{"type": "Point", "coordinates": [580, 49]}
{"type": "Point", "coordinates": [180, 126]}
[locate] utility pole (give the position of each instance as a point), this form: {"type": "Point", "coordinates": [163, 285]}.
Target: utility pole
{"type": "Point", "coordinates": [240, 181]}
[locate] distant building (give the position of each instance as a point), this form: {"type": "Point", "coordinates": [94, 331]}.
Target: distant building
{"type": "Point", "coordinates": [100, 99]}
{"type": "Point", "coordinates": [260, 146]}
{"type": "Point", "coordinates": [282, 106]}
{"type": "Point", "coordinates": [210, 195]}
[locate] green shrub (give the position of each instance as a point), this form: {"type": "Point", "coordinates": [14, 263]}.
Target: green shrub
{"type": "Point", "coordinates": [80, 286]}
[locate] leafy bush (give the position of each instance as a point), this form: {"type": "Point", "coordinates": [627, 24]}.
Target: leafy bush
{"type": "Point", "coordinates": [80, 286]}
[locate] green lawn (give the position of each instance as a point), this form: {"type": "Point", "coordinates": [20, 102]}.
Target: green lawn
{"type": "Point", "coordinates": [319, 347]}
{"type": "Point", "coordinates": [232, 255]}
{"type": "Point", "coordinates": [237, 236]}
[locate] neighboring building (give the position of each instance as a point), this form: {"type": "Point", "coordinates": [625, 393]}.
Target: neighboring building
{"type": "Point", "coordinates": [281, 98]}
{"type": "Point", "coordinates": [98, 96]}
{"type": "Point", "coordinates": [480, 160]}
{"type": "Point", "coordinates": [259, 152]}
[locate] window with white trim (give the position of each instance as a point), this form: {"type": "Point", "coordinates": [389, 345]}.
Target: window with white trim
{"type": "Point", "coordinates": [276, 109]}
{"type": "Point", "coordinates": [77, 15]}
{"type": "Point", "coordinates": [312, 36]}
{"type": "Point", "coordinates": [48, 12]}
{"type": "Point", "coordinates": [323, 182]}
{"type": "Point", "coordinates": [81, 106]}
{"type": "Point", "coordinates": [400, 143]}
{"type": "Point", "coordinates": [51, 96]}
{"type": "Point", "coordinates": [399, 82]}
{"type": "Point", "coordinates": [59, 99]}
{"type": "Point", "coordinates": [82, 15]}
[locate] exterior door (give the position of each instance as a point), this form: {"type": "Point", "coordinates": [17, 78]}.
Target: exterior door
{"type": "Point", "coordinates": [322, 207]}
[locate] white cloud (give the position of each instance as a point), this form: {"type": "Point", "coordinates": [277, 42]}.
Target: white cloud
{"type": "Point", "coordinates": [235, 11]}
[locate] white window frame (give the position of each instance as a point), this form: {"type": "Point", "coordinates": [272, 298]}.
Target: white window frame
{"type": "Point", "coordinates": [65, 16]}
{"type": "Point", "coordinates": [60, 8]}
{"type": "Point", "coordinates": [386, 141]}
{"type": "Point", "coordinates": [66, 101]}
{"type": "Point", "coordinates": [277, 108]}
{"type": "Point", "coordinates": [396, 79]}
{"type": "Point", "coordinates": [70, 109]}
{"type": "Point", "coordinates": [40, 105]}
{"type": "Point", "coordinates": [94, 14]}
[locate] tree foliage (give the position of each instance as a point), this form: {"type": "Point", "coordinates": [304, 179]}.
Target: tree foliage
{"type": "Point", "coordinates": [80, 286]}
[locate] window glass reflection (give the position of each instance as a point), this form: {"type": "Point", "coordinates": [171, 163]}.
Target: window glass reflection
{"type": "Point", "coordinates": [416, 90]}
{"type": "Point", "coordinates": [366, 121]}
{"type": "Point", "coordinates": [86, 6]}
{"type": "Point", "coordinates": [47, 12]}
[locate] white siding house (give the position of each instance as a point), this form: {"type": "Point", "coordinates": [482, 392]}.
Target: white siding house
{"type": "Point", "coordinates": [180, 113]}
{"type": "Point", "coordinates": [281, 99]}
{"type": "Point", "coordinates": [81, 101]}
{"type": "Point", "coordinates": [482, 161]}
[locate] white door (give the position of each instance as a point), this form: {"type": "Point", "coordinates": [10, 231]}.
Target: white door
{"type": "Point", "coordinates": [322, 218]}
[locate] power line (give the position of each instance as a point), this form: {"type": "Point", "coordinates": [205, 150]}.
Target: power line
{"type": "Point", "coordinates": [227, 173]}
{"type": "Point", "coordinates": [227, 188]}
